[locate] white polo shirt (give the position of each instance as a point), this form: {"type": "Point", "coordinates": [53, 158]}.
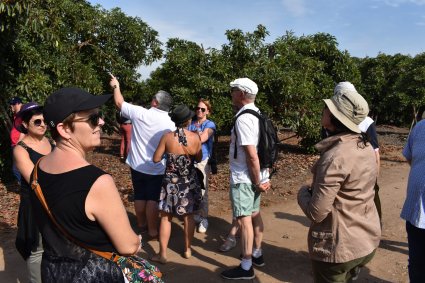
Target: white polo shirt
{"type": "Point", "coordinates": [148, 127]}
{"type": "Point", "coordinates": [247, 130]}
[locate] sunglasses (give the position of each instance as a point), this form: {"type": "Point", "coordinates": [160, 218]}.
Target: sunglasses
{"type": "Point", "coordinates": [37, 122]}
{"type": "Point", "coordinates": [201, 108]}
{"type": "Point", "coordinates": [92, 119]}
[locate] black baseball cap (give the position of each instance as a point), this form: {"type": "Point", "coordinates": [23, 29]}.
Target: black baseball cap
{"type": "Point", "coordinates": [66, 101]}
{"type": "Point", "coordinates": [15, 100]}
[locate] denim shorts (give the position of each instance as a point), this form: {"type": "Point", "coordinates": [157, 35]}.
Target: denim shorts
{"type": "Point", "coordinates": [146, 187]}
{"type": "Point", "coordinates": [245, 199]}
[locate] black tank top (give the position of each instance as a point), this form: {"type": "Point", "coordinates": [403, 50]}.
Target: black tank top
{"type": "Point", "coordinates": [65, 195]}
{"type": "Point", "coordinates": [27, 235]}
{"type": "Point", "coordinates": [34, 156]}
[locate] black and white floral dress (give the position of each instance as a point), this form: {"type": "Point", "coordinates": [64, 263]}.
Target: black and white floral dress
{"type": "Point", "coordinates": [181, 190]}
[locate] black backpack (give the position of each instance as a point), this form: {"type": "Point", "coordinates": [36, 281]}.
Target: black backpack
{"type": "Point", "coordinates": [267, 148]}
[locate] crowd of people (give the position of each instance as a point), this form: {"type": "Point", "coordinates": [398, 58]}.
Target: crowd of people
{"type": "Point", "coordinates": [168, 149]}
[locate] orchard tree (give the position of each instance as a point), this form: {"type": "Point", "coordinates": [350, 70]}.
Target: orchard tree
{"type": "Point", "coordinates": [412, 86]}
{"type": "Point", "coordinates": [49, 44]}
{"type": "Point", "coordinates": [380, 80]}
{"type": "Point", "coordinates": [300, 73]}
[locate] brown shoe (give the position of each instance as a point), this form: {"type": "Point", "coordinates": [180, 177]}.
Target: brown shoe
{"type": "Point", "coordinates": [160, 259]}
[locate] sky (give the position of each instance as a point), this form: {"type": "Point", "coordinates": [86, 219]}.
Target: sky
{"type": "Point", "coordinates": [362, 27]}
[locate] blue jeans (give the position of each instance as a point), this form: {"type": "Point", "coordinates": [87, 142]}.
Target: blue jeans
{"type": "Point", "coordinates": [415, 239]}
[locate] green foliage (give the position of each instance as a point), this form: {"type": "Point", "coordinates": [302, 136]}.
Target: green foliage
{"type": "Point", "coordinates": [49, 44]}
{"type": "Point", "coordinates": [381, 86]}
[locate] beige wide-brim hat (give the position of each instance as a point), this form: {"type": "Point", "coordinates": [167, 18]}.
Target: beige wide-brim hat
{"type": "Point", "coordinates": [348, 106]}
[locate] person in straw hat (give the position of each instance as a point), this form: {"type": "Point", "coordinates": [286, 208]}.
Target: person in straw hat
{"type": "Point", "coordinates": [345, 229]}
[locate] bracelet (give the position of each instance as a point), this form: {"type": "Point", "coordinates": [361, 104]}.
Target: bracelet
{"type": "Point", "coordinates": [114, 86]}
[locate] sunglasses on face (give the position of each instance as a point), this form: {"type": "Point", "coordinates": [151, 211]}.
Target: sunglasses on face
{"type": "Point", "coordinates": [92, 119]}
{"type": "Point", "coordinates": [233, 89]}
{"type": "Point", "coordinates": [201, 108]}
{"type": "Point", "coordinates": [37, 122]}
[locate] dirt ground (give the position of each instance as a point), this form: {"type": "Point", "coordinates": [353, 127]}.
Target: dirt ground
{"type": "Point", "coordinates": [285, 237]}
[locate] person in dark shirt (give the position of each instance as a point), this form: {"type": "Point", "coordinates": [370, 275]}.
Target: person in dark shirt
{"type": "Point", "coordinates": [368, 126]}
{"type": "Point", "coordinates": [15, 135]}
{"type": "Point", "coordinates": [82, 198]}
{"type": "Point", "coordinates": [26, 153]}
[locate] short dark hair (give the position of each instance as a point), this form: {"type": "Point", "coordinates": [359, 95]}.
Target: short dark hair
{"type": "Point", "coordinates": [27, 115]}
{"type": "Point", "coordinates": [67, 122]}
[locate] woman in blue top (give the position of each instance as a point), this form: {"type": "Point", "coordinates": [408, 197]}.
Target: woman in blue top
{"type": "Point", "coordinates": [414, 209]}
{"type": "Point", "coordinates": [206, 130]}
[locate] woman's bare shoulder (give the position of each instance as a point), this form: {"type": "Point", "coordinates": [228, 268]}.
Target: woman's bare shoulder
{"type": "Point", "coordinates": [192, 135]}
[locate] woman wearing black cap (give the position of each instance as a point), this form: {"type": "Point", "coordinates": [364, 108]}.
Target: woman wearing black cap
{"type": "Point", "coordinates": [26, 153]}
{"type": "Point", "coordinates": [181, 189]}
{"type": "Point", "coordinates": [82, 198]}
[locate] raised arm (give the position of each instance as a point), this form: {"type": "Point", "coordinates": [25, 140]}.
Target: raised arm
{"type": "Point", "coordinates": [115, 85]}
{"type": "Point", "coordinates": [103, 204]}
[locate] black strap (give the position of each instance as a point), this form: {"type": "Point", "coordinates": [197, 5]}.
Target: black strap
{"type": "Point", "coordinates": [250, 111]}
{"type": "Point", "coordinates": [39, 193]}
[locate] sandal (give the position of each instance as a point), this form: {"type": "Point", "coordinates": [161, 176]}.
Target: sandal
{"type": "Point", "coordinates": [187, 254]}
{"type": "Point", "coordinates": [228, 244]}
{"type": "Point", "coordinates": [158, 258]}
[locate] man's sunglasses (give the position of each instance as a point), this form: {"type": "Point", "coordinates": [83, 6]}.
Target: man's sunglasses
{"type": "Point", "coordinates": [37, 122]}
{"type": "Point", "coordinates": [92, 119]}
{"type": "Point", "coordinates": [201, 108]}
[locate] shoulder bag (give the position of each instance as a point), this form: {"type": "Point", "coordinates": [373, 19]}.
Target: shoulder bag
{"type": "Point", "coordinates": [134, 268]}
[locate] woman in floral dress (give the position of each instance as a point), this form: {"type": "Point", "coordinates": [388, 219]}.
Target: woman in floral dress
{"type": "Point", "coordinates": [181, 189]}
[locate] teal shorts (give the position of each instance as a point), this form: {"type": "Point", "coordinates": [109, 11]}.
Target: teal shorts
{"type": "Point", "coordinates": [245, 199]}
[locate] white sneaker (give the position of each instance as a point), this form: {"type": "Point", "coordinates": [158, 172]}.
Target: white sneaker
{"type": "Point", "coordinates": [203, 226]}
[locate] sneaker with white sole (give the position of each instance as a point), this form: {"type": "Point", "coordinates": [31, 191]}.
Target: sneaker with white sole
{"type": "Point", "coordinates": [257, 261]}
{"type": "Point", "coordinates": [228, 244]}
{"type": "Point", "coordinates": [203, 226]}
{"type": "Point", "coordinates": [238, 273]}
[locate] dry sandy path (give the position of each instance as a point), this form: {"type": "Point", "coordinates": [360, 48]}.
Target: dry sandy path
{"type": "Point", "coordinates": [285, 245]}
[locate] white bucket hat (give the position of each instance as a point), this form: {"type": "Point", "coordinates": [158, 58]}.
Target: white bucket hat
{"type": "Point", "coordinates": [348, 106]}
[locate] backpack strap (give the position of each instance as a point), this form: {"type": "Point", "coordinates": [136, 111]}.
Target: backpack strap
{"type": "Point", "coordinates": [37, 189]}
{"type": "Point", "coordinates": [250, 111]}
